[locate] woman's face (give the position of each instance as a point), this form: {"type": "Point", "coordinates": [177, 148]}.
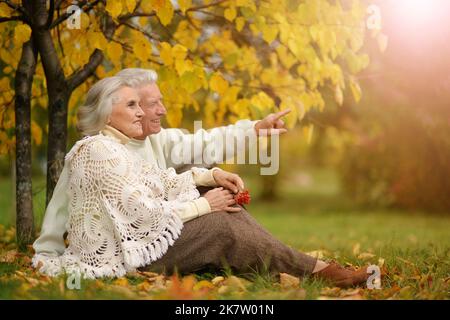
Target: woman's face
{"type": "Point", "coordinates": [126, 113]}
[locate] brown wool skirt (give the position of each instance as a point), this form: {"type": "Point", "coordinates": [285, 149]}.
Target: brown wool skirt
{"type": "Point", "coordinates": [230, 240]}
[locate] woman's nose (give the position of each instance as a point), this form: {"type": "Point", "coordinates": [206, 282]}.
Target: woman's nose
{"type": "Point", "coordinates": [139, 112]}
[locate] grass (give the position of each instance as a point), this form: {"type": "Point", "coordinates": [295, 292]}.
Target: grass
{"type": "Point", "coordinates": [313, 217]}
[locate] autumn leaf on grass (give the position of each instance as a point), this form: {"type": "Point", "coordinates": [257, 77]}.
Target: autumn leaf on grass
{"type": "Point", "coordinates": [9, 256]}
{"type": "Point", "coordinates": [340, 294]}
{"type": "Point", "coordinates": [182, 289]}
{"type": "Point", "coordinates": [287, 281]}
{"type": "Point", "coordinates": [203, 286]}
{"type": "Point", "coordinates": [234, 284]}
{"type": "Point", "coordinates": [218, 280]}
{"type": "Point", "coordinates": [319, 254]}
{"type": "Point", "coordinates": [366, 256]}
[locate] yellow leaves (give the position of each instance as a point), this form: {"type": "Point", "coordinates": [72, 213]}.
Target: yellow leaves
{"type": "Point", "coordinates": [5, 84]}
{"type": "Point", "coordinates": [291, 118]}
{"type": "Point", "coordinates": [341, 294]}
{"type": "Point", "coordinates": [179, 52]}
{"type": "Point", "coordinates": [240, 23]}
{"type": "Point", "coordinates": [97, 40]}
{"type": "Point", "coordinates": [356, 89]}
{"type": "Point", "coordinates": [130, 5]}
{"type": "Point", "coordinates": [230, 13]}
{"type": "Point", "coordinates": [184, 5]}
{"type": "Point", "coordinates": [183, 66]}
{"type": "Point", "coordinates": [263, 102]}
{"type": "Point", "coordinates": [36, 132]}
{"type": "Point", "coordinates": [250, 4]}
{"type": "Point", "coordinates": [338, 95]}
{"type": "Point", "coordinates": [114, 8]}
{"type": "Point", "coordinates": [174, 115]}
{"type": "Point", "coordinates": [269, 32]}
{"type": "Point", "coordinates": [121, 282]}
{"type": "Point", "coordinates": [5, 11]}
{"type": "Point", "coordinates": [176, 55]}
{"type": "Point", "coordinates": [142, 48]}
{"type": "Point", "coordinates": [286, 58]}
{"type": "Point", "coordinates": [166, 53]}
{"type": "Point", "coordinates": [114, 52]}
{"type": "Point", "coordinates": [217, 83]}
{"type": "Point", "coordinates": [164, 11]}
{"type": "Point", "coordinates": [22, 33]}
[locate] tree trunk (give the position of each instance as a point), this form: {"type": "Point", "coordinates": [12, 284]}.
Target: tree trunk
{"type": "Point", "coordinates": [57, 137]}
{"type": "Point", "coordinates": [24, 197]}
{"type": "Point", "coordinates": [59, 87]}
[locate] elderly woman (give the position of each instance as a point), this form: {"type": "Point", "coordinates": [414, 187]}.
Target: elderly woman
{"type": "Point", "coordinates": [126, 213]}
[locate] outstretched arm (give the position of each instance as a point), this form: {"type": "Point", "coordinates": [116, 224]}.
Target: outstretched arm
{"type": "Point", "coordinates": [181, 148]}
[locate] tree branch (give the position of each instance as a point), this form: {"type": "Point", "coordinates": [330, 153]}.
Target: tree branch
{"type": "Point", "coordinates": [13, 18]}
{"type": "Point", "coordinates": [66, 15]}
{"type": "Point", "coordinates": [23, 17]}
{"type": "Point", "coordinates": [78, 77]}
{"type": "Point", "coordinates": [86, 71]}
{"type": "Point", "coordinates": [206, 5]}
{"type": "Point", "coordinates": [137, 28]}
{"type": "Point", "coordinates": [51, 12]}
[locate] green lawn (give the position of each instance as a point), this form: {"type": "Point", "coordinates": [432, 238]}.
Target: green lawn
{"type": "Point", "coordinates": [414, 248]}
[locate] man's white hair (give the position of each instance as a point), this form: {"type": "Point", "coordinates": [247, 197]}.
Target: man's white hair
{"type": "Point", "coordinates": [136, 77]}
{"type": "Point", "coordinates": [93, 115]}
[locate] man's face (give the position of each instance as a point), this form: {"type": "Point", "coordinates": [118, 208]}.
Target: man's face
{"type": "Point", "coordinates": [151, 103]}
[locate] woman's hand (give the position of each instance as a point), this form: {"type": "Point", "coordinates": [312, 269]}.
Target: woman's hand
{"type": "Point", "coordinates": [221, 199]}
{"type": "Point", "coordinates": [228, 180]}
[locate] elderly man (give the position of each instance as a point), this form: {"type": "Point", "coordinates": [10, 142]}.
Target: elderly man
{"type": "Point", "coordinates": [215, 240]}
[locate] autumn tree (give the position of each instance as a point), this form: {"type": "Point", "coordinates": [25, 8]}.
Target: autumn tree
{"type": "Point", "coordinates": [226, 59]}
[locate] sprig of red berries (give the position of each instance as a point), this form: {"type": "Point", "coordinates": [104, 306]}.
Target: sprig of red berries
{"type": "Point", "coordinates": [242, 197]}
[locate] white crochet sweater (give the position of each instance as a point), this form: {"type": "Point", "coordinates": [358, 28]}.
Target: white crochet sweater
{"type": "Point", "coordinates": [124, 212]}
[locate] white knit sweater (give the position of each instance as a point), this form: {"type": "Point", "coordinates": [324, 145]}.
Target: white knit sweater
{"type": "Point", "coordinates": [123, 211]}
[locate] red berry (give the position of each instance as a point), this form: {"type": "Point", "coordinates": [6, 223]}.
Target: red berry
{"type": "Point", "coordinates": [242, 197]}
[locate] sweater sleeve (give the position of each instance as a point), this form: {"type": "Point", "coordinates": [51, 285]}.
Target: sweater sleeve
{"type": "Point", "coordinates": [50, 241]}
{"type": "Point", "coordinates": [178, 144]}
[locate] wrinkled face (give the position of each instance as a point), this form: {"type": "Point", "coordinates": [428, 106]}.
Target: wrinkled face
{"type": "Point", "coordinates": [153, 107]}
{"type": "Point", "coordinates": [126, 115]}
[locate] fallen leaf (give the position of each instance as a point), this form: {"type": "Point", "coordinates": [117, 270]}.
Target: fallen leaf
{"type": "Point", "coordinates": [122, 291]}
{"type": "Point", "coordinates": [319, 254]}
{"type": "Point", "coordinates": [288, 281]}
{"type": "Point", "coordinates": [350, 292]}
{"type": "Point", "coordinates": [144, 286]}
{"type": "Point", "coordinates": [236, 283]}
{"type": "Point", "coordinates": [203, 285]}
{"type": "Point", "coordinates": [9, 256]}
{"type": "Point", "coordinates": [366, 256]}
{"type": "Point", "coordinates": [355, 297]}
{"type": "Point", "coordinates": [223, 289]}
{"type": "Point", "coordinates": [330, 291]}
{"type": "Point", "coordinates": [217, 280]}
{"type": "Point", "coordinates": [121, 282]}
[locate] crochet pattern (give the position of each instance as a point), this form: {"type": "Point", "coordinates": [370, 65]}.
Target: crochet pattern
{"type": "Point", "coordinates": [123, 212]}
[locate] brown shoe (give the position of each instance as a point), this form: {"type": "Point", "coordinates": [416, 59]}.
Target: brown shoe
{"type": "Point", "coordinates": [342, 277]}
